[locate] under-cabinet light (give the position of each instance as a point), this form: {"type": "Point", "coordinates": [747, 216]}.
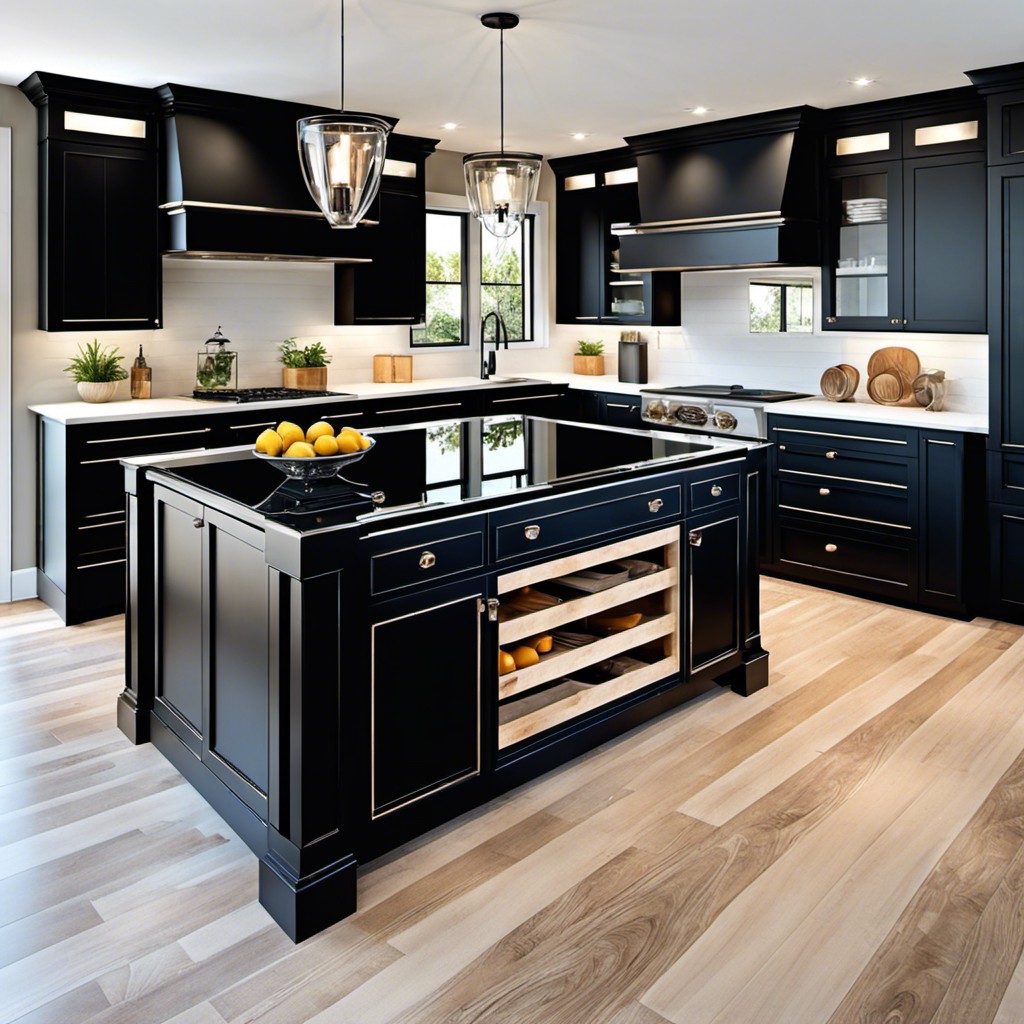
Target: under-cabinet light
{"type": "Point", "coordinates": [936, 134]}
{"type": "Point", "coordinates": [851, 144]}
{"type": "Point", "coordinates": [623, 176]}
{"type": "Point", "coordinates": [578, 181]}
{"type": "Point", "coordinates": [400, 168]}
{"type": "Point", "coordinates": [101, 124]}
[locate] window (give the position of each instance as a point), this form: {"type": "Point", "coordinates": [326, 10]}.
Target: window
{"type": "Point", "coordinates": [781, 307]}
{"type": "Point", "coordinates": [467, 459]}
{"type": "Point", "coordinates": [446, 276]}
{"type": "Point", "coordinates": [470, 273]}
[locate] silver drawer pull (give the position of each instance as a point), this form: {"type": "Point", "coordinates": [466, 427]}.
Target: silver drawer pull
{"type": "Point", "coordinates": [656, 504]}
{"type": "Point", "coordinates": [831, 455]}
{"type": "Point", "coordinates": [531, 532]}
{"type": "Point", "coordinates": [824, 492]}
{"type": "Point", "coordinates": [428, 560]}
{"type": "Point", "coordinates": [695, 538]}
{"type": "Point", "coordinates": [198, 523]}
{"type": "Point", "coordinates": [831, 548]}
{"type": "Point", "coordinates": [782, 447]}
{"type": "Point", "coordinates": [620, 405]}
{"type": "Point", "coordinates": [716, 491]}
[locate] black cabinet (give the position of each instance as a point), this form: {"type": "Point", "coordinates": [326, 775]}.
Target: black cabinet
{"type": "Point", "coordinates": [425, 683]}
{"type": "Point", "coordinates": [99, 252]}
{"type": "Point", "coordinates": [714, 621]}
{"type": "Point", "coordinates": [885, 511]}
{"type": "Point", "coordinates": [905, 221]}
{"type": "Point", "coordinates": [594, 193]}
{"type": "Point", "coordinates": [392, 288]}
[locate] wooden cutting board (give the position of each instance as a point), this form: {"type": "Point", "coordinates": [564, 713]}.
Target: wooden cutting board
{"type": "Point", "coordinates": [839, 383]}
{"type": "Point", "coordinates": [887, 388]}
{"type": "Point", "coordinates": [894, 359]}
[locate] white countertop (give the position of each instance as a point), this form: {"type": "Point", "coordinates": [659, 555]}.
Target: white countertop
{"type": "Point", "coordinates": [870, 412]}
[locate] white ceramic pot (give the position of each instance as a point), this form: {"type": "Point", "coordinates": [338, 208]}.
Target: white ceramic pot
{"type": "Point", "coordinates": [90, 391]}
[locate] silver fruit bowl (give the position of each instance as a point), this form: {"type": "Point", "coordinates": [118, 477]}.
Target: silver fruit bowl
{"type": "Point", "coordinates": [323, 467]}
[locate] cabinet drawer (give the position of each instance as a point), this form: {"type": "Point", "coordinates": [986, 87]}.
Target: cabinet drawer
{"type": "Point", "coordinates": [714, 491]}
{"type": "Point", "coordinates": [861, 437]}
{"type": "Point", "coordinates": [102, 451]}
{"type": "Point", "coordinates": [841, 463]}
{"type": "Point", "coordinates": [849, 559]}
{"type": "Point", "coordinates": [829, 498]}
{"type": "Point", "coordinates": [621, 411]}
{"type": "Point", "coordinates": [415, 409]}
{"type": "Point", "coordinates": [553, 525]}
{"type": "Point", "coordinates": [426, 562]}
{"type": "Point", "coordinates": [1006, 478]}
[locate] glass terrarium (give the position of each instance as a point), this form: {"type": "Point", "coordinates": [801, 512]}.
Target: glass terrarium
{"type": "Point", "coordinates": [216, 365]}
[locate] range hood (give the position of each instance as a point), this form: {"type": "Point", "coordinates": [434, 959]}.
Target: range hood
{"type": "Point", "coordinates": [233, 188]}
{"type": "Point", "coordinates": [727, 195]}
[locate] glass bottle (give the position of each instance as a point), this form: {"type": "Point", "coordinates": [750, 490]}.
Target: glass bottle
{"type": "Point", "coordinates": [216, 365]}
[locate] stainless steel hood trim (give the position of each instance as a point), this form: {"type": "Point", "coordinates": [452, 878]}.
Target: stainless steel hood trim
{"type": "Point", "coordinates": [722, 224]}
{"type": "Point", "coordinates": [180, 205]}
{"type": "Point", "coordinates": [256, 257]}
{"type": "Point", "coordinates": [722, 218]}
{"type": "Point", "coordinates": [706, 266]}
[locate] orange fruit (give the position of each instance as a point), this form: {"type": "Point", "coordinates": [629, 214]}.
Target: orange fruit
{"type": "Point", "coordinates": [319, 429]}
{"type": "Point", "coordinates": [542, 644]}
{"type": "Point", "coordinates": [300, 450]}
{"type": "Point", "coordinates": [325, 445]}
{"type": "Point", "coordinates": [506, 663]}
{"type": "Point", "coordinates": [524, 657]}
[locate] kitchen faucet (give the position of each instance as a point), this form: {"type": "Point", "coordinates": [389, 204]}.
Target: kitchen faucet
{"type": "Point", "coordinates": [489, 360]}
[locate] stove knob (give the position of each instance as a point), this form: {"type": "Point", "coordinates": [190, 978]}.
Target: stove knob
{"type": "Point", "coordinates": [692, 415]}
{"type": "Point", "coordinates": [656, 410]}
{"type": "Point", "coordinates": [725, 420]}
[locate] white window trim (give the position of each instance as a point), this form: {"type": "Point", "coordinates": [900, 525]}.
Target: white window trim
{"type": "Point", "coordinates": [442, 201]}
{"type": "Point", "coordinates": [6, 372]}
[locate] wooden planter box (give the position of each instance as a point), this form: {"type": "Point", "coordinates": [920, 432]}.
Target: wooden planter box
{"type": "Point", "coordinates": [309, 378]}
{"type": "Point", "coordinates": [592, 366]}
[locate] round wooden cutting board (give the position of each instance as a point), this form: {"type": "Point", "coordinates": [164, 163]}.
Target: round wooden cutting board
{"type": "Point", "coordinates": [839, 383]}
{"type": "Point", "coordinates": [886, 388]}
{"type": "Point", "coordinates": [895, 359]}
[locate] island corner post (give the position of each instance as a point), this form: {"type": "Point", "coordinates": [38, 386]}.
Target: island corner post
{"type": "Point", "coordinates": [331, 688]}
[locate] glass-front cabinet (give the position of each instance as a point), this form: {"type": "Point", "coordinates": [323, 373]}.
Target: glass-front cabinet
{"type": "Point", "coordinates": [864, 279]}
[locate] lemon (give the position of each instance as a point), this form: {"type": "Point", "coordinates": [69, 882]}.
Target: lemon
{"type": "Point", "coordinates": [319, 429]}
{"type": "Point", "coordinates": [269, 442]}
{"type": "Point", "coordinates": [325, 445]}
{"type": "Point", "coordinates": [290, 433]}
{"type": "Point", "coordinates": [300, 450]}
{"type": "Point", "coordinates": [364, 442]}
{"type": "Point", "coordinates": [347, 444]}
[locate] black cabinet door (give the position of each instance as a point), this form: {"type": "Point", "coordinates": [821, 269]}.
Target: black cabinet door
{"type": "Point", "coordinates": [425, 683]}
{"type": "Point", "coordinates": [942, 521]}
{"type": "Point", "coordinates": [944, 244]}
{"type": "Point", "coordinates": [578, 250]}
{"type": "Point", "coordinates": [1006, 305]}
{"type": "Point", "coordinates": [392, 288]}
{"type": "Point", "coordinates": [100, 259]}
{"type": "Point", "coordinates": [714, 626]}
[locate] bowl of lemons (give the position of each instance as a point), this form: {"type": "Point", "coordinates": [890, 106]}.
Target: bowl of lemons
{"type": "Point", "coordinates": [314, 454]}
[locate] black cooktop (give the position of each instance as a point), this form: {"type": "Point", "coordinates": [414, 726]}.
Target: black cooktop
{"type": "Point", "coordinates": [731, 391]}
{"type": "Point", "coordinates": [264, 394]}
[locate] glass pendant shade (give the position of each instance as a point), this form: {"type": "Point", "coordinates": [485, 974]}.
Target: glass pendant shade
{"type": "Point", "coordinates": [500, 188]}
{"type": "Point", "coordinates": [342, 157]}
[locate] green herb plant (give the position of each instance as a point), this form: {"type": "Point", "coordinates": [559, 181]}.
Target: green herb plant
{"type": "Point", "coordinates": [589, 348]}
{"type": "Point", "coordinates": [96, 365]}
{"type": "Point", "coordinates": [296, 358]}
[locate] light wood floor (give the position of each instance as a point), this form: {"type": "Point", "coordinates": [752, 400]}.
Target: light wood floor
{"type": "Point", "coordinates": [845, 846]}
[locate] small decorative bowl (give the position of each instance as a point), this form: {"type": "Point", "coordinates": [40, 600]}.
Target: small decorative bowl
{"type": "Point", "coordinates": [323, 467]}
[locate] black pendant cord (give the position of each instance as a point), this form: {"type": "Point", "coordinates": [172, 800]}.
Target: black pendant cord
{"type": "Point", "coordinates": [502, 91]}
{"type": "Point", "coordinates": [343, 55]}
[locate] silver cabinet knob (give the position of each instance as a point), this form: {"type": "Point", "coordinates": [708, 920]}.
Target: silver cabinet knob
{"type": "Point", "coordinates": [198, 523]}
{"type": "Point", "coordinates": [695, 538]}
{"type": "Point", "coordinates": [716, 491]}
{"type": "Point", "coordinates": [656, 504]}
{"type": "Point", "coordinates": [896, 321]}
{"type": "Point", "coordinates": [831, 455]}
{"type": "Point", "coordinates": [830, 548]}
{"type": "Point", "coordinates": [378, 497]}
{"type": "Point", "coordinates": [531, 532]}
{"type": "Point", "coordinates": [824, 492]}
{"type": "Point", "coordinates": [428, 560]}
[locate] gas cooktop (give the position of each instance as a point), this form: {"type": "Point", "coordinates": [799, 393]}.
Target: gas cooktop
{"type": "Point", "coordinates": [264, 394]}
{"type": "Point", "coordinates": [729, 391]}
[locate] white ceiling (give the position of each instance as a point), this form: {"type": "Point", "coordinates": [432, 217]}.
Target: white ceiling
{"type": "Point", "coordinates": [606, 67]}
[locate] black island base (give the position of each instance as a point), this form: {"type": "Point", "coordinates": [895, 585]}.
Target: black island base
{"type": "Point", "coordinates": [486, 599]}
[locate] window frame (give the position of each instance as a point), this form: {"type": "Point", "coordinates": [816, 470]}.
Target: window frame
{"type": "Point", "coordinates": [785, 285]}
{"type": "Point", "coordinates": [527, 247]}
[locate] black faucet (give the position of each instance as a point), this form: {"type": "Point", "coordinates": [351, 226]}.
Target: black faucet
{"type": "Point", "coordinates": [489, 360]}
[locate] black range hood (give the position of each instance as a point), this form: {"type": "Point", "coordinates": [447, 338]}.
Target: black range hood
{"type": "Point", "coordinates": [233, 187]}
{"type": "Point", "coordinates": [737, 193]}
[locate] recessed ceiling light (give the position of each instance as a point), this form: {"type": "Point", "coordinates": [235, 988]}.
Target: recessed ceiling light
{"type": "Point", "coordinates": [449, 126]}
{"type": "Point", "coordinates": [699, 110]}
{"type": "Point", "coordinates": [861, 82]}
{"type": "Point", "coordinates": [579, 136]}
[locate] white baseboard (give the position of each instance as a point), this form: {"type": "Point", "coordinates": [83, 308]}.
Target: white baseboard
{"type": "Point", "coordinates": [23, 584]}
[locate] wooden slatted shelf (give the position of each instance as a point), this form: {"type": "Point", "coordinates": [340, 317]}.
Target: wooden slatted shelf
{"type": "Point", "coordinates": [586, 700]}
{"type": "Point", "coordinates": [547, 619]}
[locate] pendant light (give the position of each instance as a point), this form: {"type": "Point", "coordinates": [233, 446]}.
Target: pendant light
{"type": "Point", "coordinates": [500, 186]}
{"type": "Point", "coordinates": [342, 157]}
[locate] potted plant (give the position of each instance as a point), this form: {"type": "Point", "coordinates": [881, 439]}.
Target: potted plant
{"type": "Point", "coordinates": [96, 371]}
{"type": "Point", "coordinates": [588, 359]}
{"type": "Point", "coordinates": [304, 368]}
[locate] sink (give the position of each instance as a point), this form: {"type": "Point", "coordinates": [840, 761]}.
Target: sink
{"type": "Point", "coordinates": [512, 380]}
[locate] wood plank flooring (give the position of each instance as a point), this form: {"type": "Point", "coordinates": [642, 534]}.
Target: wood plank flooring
{"type": "Point", "coordinates": [844, 847]}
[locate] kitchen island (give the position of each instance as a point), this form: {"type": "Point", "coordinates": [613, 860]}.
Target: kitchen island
{"type": "Point", "coordinates": [323, 666]}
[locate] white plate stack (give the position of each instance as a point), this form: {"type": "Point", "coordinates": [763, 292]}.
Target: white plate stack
{"type": "Point", "coordinates": [865, 211]}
